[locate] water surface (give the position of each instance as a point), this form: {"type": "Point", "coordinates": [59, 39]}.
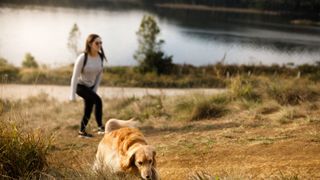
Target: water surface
{"type": "Point", "coordinates": [192, 37]}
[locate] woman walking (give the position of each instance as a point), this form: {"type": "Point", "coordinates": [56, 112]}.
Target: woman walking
{"type": "Point", "coordinates": [86, 77]}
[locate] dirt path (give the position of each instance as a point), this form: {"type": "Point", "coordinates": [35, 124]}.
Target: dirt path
{"type": "Point", "coordinates": [61, 93]}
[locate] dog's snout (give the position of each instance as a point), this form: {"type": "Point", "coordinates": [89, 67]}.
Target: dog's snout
{"type": "Point", "coordinates": [148, 177]}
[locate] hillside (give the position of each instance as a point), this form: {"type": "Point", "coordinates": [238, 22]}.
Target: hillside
{"type": "Point", "coordinates": [259, 129]}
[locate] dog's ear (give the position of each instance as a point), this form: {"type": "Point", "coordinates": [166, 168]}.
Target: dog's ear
{"type": "Point", "coordinates": [127, 162]}
{"type": "Point", "coordinates": [155, 174]}
{"type": "Point", "coordinates": [154, 162]}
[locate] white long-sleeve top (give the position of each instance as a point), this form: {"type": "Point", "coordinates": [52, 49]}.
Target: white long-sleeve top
{"type": "Point", "coordinates": [91, 75]}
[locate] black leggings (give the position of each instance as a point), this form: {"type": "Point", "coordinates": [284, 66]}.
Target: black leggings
{"type": "Point", "coordinates": [90, 98]}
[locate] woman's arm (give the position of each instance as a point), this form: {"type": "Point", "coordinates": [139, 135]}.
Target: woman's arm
{"type": "Point", "coordinates": [76, 73]}
{"type": "Point", "coordinates": [98, 80]}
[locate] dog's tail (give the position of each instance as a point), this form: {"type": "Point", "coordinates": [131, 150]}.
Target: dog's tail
{"type": "Point", "coordinates": [114, 124]}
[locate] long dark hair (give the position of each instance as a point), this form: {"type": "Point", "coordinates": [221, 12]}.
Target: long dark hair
{"type": "Point", "coordinates": [89, 41]}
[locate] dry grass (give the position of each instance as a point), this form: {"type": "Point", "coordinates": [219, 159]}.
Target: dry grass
{"type": "Point", "coordinates": [22, 154]}
{"type": "Point", "coordinates": [235, 136]}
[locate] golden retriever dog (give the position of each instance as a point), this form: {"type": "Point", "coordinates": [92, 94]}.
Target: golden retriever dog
{"type": "Point", "coordinates": [125, 149]}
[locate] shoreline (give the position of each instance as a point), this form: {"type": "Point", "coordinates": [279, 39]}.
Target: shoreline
{"type": "Point", "coordinates": [215, 8]}
{"type": "Point", "coordinates": [184, 6]}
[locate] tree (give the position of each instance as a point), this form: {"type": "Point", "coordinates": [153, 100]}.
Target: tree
{"type": "Point", "coordinates": [73, 40]}
{"type": "Point", "coordinates": [149, 54]}
{"type": "Point", "coordinates": [29, 61]}
{"type": "Point", "coordinates": [3, 62]}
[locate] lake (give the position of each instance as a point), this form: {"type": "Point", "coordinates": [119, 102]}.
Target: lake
{"type": "Point", "coordinates": [192, 37]}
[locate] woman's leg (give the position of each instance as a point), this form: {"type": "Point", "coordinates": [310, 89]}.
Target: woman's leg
{"type": "Point", "coordinates": [84, 92]}
{"type": "Point", "coordinates": [88, 106]}
{"type": "Point", "coordinates": [98, 110]}
{"type": "Point", "coordinates": [90, 98]}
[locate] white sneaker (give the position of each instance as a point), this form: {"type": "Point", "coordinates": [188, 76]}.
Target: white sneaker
{"type": "Point", "coordinates": [101, 130]}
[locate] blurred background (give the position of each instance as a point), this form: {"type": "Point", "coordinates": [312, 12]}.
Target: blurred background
{"type": "Point", "coordinates": [196, 32]}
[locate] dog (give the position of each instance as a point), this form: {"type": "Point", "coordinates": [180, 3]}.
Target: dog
{"type": "Point", "coordinates": [125, 149]}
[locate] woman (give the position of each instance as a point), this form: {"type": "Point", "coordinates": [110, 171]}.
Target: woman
{"type": "Point", "coordinates": [86, 77]}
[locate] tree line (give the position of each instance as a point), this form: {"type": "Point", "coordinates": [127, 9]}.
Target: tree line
{"type": "Point", "coordinates": [286, 6]}
{"type": "Point", "coordinates": [308, 7]}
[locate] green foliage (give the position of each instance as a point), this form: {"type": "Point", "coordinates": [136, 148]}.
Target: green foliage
{"type": "Point", "coordinates": [149, 54]}
{"type": "Point", "coordinates": [29, 61]}
{"type": "Point", "coordinates": [147, 37]}
{"type": "Point", "coordinates": [73, 40]}
{"type": "Point", "coordinates": [156, 62]}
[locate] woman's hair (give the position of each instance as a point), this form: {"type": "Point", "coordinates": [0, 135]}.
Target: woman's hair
{"type": "Point", "coordinates": [89, 41]}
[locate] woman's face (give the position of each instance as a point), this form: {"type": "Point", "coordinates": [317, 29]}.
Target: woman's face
{"type": "Point", "coordinates": [96, 44]}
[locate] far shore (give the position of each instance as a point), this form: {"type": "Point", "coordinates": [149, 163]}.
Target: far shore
{"type": "Point", "coordinates": [214, 8]}
{"type": "Point", "coordinates": [61, 93]}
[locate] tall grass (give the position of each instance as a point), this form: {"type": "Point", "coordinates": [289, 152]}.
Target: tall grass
{"type": "Point", "coordinates": [22, 154]}
{"type": "Point", "coordinates": [244, 91]}
{"type": "Point", "coordinates": [5, 106]}
{"type": "Point", "coordinates": [86, 172]}
{"type": "Point", "coordinates": [245, 88]}
{"type": "Point", "coordinates": [185, 76]}
{"type": "Point", "coordinates": [293, 92]}
{"type": "Point", "coordinates": [197, 107]}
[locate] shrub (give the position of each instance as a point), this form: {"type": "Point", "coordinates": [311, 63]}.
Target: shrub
{"type": "Point", "coordinates": [149, 54]}
{"type": "Point", "coordinates": [206, 110]}
{"type": "Point", "coordinates": [244, 88]}
{"type": "Point", "coordinates": [32, 76]}
{"type": "Point", "coordinates": [29, 61]}
{"type": "Point", "coordinates": [148, 106]}
{"type": "Point", "coordinates": [8, 72]}
{"type": "Point", "coordinates": [199, 107]}
{"type": "Point", "coordinates": [315, 76]}
{"type": "Point", "coordinates": [292, 92]}
{"type": "Point", "coordinates": [156, 62]}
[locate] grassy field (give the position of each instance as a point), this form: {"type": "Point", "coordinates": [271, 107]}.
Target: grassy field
{"type": "Point", "coordinates": [261, 128]}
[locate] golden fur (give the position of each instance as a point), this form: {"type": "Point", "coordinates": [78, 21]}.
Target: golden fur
{"type": "Point", "coordinates": [125, 149]}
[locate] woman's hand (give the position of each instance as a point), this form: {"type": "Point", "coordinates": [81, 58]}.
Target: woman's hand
{"type": "Point", "coordinates": [72, 98]}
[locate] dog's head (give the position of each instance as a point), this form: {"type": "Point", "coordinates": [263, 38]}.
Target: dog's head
{"type": "Point", "coordinates": [143, 159]}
